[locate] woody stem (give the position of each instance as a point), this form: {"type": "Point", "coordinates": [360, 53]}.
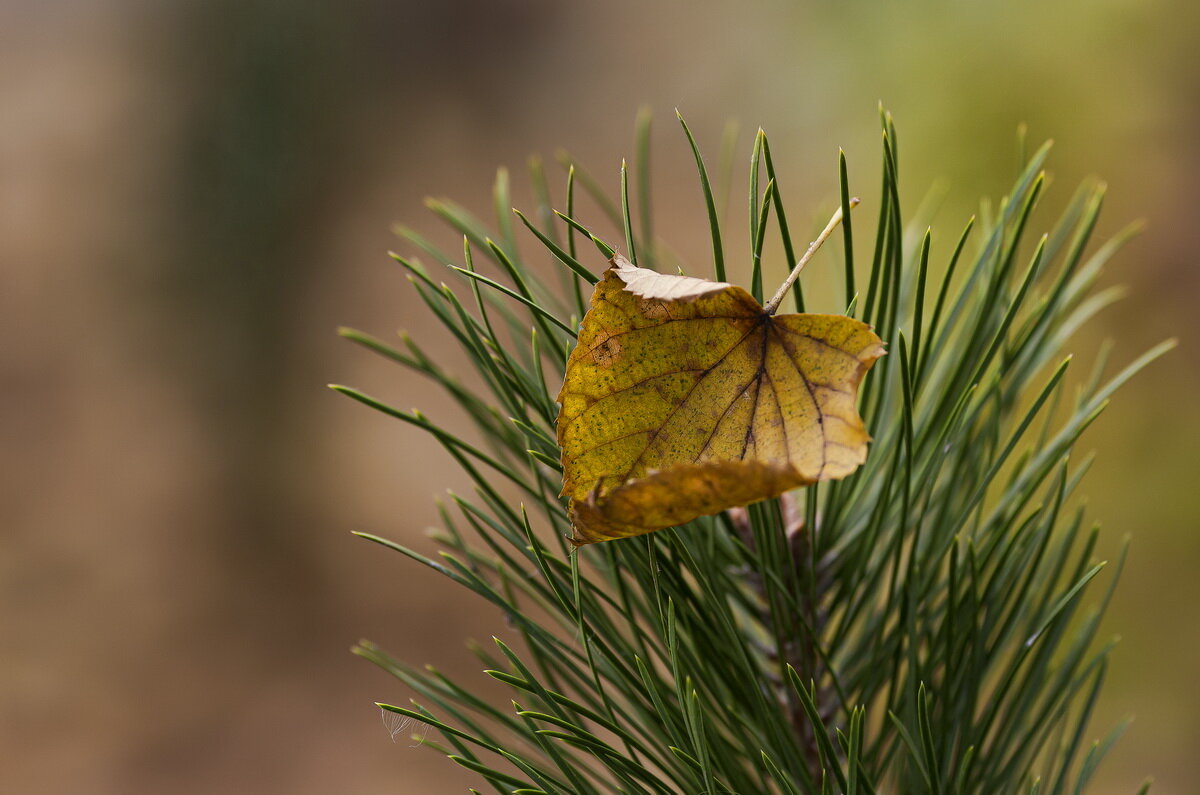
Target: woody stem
{"type": "Point", "coordinates": [773, 304]}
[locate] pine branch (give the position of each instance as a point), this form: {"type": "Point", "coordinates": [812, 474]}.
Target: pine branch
{"type": "Point", "coordinates": [926, 624]}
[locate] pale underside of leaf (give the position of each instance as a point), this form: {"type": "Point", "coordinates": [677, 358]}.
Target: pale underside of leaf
{"type": "Point", "coordinates": [684, 398]}
{"type": "Point", "coordinates": [654, 285]}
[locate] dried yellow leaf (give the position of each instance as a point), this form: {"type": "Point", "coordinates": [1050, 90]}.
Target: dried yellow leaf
{"type": "Point", "coordinates": [684, 397]}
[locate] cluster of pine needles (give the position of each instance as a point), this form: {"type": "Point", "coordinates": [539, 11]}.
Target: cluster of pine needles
{"type": "Point", "coordinates": [928, 624]}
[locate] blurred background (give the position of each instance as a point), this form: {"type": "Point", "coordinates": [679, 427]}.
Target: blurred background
{"type": "Point", "coordinates": [194, 195]}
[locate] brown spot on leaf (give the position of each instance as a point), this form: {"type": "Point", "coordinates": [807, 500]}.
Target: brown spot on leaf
{"type": "Point", "coordinates": [607, 353]}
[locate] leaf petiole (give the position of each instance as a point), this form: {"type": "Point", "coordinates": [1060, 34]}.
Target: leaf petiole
{"type": "Point", "coordinates": [836, 219]}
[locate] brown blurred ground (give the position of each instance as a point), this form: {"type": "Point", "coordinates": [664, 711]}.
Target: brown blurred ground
{"type": "Point", "coordinates": [194, 195]}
